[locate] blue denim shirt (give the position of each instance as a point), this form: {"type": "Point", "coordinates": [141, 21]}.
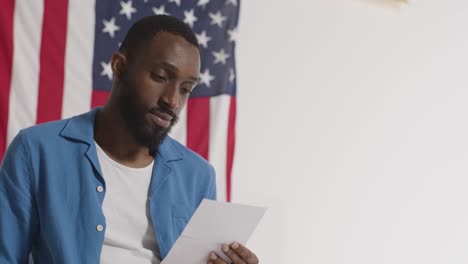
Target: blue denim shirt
{"type": "Point", "coordinates": [49, 203]}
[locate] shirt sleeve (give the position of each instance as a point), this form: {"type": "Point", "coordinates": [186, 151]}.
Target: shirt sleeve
{"type": "Point", "coordinates": [18, 216]}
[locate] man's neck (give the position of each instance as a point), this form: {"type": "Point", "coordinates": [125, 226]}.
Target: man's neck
{"type": "Point", "coordinates": [112, 135]}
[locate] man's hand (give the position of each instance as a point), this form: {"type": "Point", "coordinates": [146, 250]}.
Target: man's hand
{"type": "Point", "coordinates": [236, 252]}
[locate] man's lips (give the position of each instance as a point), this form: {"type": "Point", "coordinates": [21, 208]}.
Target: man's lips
{"type": "Point", "coordinates": [160, 118]}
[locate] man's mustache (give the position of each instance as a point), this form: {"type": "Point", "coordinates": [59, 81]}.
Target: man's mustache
{"type": "Point", "coordinates": [165, 110]}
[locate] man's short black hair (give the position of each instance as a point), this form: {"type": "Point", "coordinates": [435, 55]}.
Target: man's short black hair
{"type": "Point", "coordinates": [146, 28]}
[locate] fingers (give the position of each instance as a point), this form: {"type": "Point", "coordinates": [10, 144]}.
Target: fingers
{"type": "Point", "coordinates": [244, 253]}
{"type": "Point", "coordinates": [215, 259]}
{"type": "Point", "coordinates": [236, 259]}
{"type": "Point", "coordinates": [236, 252]}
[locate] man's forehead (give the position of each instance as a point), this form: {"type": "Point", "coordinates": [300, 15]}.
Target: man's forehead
{"type": "Point", "coordinates": [193, 75]}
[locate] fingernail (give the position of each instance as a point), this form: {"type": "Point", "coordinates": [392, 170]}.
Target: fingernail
{"type": "Point", "coordinates": [225, 248]}
{"type": "Point", "coordinates": [213, 256]}
{"type": "Point", "coordinates": [235, 245]}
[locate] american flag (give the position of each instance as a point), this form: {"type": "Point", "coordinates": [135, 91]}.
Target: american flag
{"type": "Point", "coordinates": [54, 63]}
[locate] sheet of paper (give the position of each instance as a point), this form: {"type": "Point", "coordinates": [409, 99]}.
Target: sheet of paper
{"type": "Point", "coordinates": [213, 224]}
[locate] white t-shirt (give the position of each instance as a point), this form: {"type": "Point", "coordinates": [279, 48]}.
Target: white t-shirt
{"type": "Point", "coordinates": [129, 236]}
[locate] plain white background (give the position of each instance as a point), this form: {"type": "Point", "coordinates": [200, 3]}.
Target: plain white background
{"type": "Point", "coordinates": [353, 129]}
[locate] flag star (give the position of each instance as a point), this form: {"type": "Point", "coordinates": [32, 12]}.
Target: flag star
{"type": "Point", "coordinates": [233, 34]}
{"type": "Point", "coordinates": [110, 27]}
{"type": "Point", "coordinates": [206, 78]}
{"type": "Point", "coordinates": [203, 39]}
{"type": "Point", "coordinates": [160, 11]}
{"type": "Point", "coordinates": [233, 2]}
{"type": "Point", "coordinates": [220, 56]}
{"type": "Point", "coordinates": [175, 1]}
{"type": "Point", "coordinates": [232, 75]}
{"type": "Point", "coordinates": [217, 19]}
{"type": "Point", "coordinates": [106, 69]}
{"type": "Point", "coordinates": [127, 9]}
{"type": "Point", "coordinates": [190, 17]}
{"type": "Point", "coordinates": [202, 2]}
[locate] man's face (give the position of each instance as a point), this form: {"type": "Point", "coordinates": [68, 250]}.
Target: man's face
{"type": "Point", "coordinates": [155, 86]}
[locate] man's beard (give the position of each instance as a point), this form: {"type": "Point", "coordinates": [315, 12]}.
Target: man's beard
{"type": "Point", "coordinates": [133, 113]}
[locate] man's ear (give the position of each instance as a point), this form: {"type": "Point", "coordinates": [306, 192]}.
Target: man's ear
{"type": "Point", "coordinates": [118, 64]}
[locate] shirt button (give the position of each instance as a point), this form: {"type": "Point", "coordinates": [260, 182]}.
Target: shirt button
{"type": "Point", "coordinates": [100, 188]}
{"type": "Point", "coordinates": [99, 228]}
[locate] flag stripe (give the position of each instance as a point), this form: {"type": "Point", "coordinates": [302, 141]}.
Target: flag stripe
{"type": "Point", "coordinates": [198, 125]}
{"type": "Point", "coordinates": [25, 73]}
{"type": "Point", "coordinates": [6, 53]}
{"type": "Point", "coordinates": [231, 141]}
{"type": "Point", "coordinates": [99, 98]}
{"type": "Point", "coordinates": [219, 118]}
{"type": "Point", "coordinates": [78, 81]}
{"type": "Point", "coordinates": [52, 60]}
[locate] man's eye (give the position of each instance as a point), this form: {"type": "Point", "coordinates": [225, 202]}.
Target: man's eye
{"type": "Point", "coordinates": [158, 77]}
{"type": "Point", "coordinates": [185, 91]}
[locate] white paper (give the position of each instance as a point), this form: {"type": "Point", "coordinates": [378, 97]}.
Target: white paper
{"type": "Point", "coordinates": [213, 224]}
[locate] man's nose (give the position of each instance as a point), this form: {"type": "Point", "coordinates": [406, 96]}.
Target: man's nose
{"type": "Point", "coordinates": [171, 96]}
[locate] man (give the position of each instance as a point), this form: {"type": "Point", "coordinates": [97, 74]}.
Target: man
{"type": "Point", "coordinates": [109, 186]}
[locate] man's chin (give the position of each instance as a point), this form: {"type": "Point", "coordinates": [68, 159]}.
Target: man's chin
{"type": "Point", "coordinates": [151, 139]}
{"type": "Point", "coordinates": [149, 134]}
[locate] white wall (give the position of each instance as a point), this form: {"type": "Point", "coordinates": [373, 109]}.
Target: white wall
{"type": "Point", "coordinates": [353, 129]}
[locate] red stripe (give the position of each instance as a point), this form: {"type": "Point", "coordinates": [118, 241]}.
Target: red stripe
{"type": "Point", "coordinates": [231, 141]}
{"type": "Point", "coordinates": [99, 98]}
{"type": "Point", "coordinates": [6, 63]}
{"type": "Point", "coordinates": [52, 60]}
{"type": "Point", "coordinates": [198, 125]}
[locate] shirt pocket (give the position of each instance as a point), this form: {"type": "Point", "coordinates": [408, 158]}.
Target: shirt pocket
{"type": "Point", "coordinates": [181, 214]}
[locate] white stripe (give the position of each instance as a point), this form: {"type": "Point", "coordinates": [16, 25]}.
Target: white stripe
{"type": "Point", "coordinates": [79, 58]}
{"type": "Point", "coordinates": [219, 119]}
{"type": "Point", "coordinates": [179, 131]}
{"type": "Point", "coordinates": [27, 31]}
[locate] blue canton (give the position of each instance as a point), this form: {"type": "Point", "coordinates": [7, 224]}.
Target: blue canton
{"type": "Point", "coordinates": [213, 21]}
